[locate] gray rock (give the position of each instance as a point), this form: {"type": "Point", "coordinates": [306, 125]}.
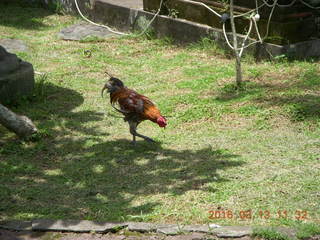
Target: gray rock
{"type": "Point", "coordinates": [16, 225]}
{"type": "Point", "coordinates": [141, 227]}
{"type": "Point", "coordinates": [16, 77]}
{"type": "Point", "coordinates": [8, 62]}
{"type": "Point", "coordinates": [81, 31]}
{"type": "Point", "coordinates": [232, 231]}
{"type": "Point", "coordinates": [200, 228]}
{"type": "Point", "coordinates": [169, 229]}
{"type": "Point", "coordinates": [291, 233]}
{"type": "Point", "coordinates": [14, 45]}
{"type": "Point", "coordinates": [193, 236]}
{"type": "Point", "coordinates": [212, 225]}
{"type": "Point", "coordinates": [316, 237]}
{"type": "Point", "coordinates": [75, 226]}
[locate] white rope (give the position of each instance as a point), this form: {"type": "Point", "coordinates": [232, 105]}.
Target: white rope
{"type": "Point", "coordinates": [252, 21]}
{"type": "Point", "coordinates": [245, 39]}
{"type": "Point", "coordinates": [257, 6]}
{"type": "Point", "coordinates": [157, 13]}
{"type": "Point", "coordinates": [154, 17]}
{"type": "Point", "coordinates": [252, 18]}
{"type": "Point", "coordinates": [204, 5]}
{"type": "Point", "coordinates": [290, 4]}
{"type": "Point", "coordinates": [257, 29]}
{"type": "Point", "coordinates": [251, 11]}
{"type": "Point", "coordinates": [287, 5]}
{"type": "Point", "coordinates": [96, 24]}
{"type": "Point", "coordinates": [225, 36]}
{"type": "Point", "coordinates": [267, 33]}
{"type": "Point", "coordinates": [269, 20]}
{"type": "Point", "coordinates": [308, 5]}
{"type": "Point", "coordinates": [116, 32]}
{"type": "Point", "coordinates": [269, 5]}
{"type": "Point", "coordinates": [216, 13]}
{"type": "Point", "coordinates": [275, 3]}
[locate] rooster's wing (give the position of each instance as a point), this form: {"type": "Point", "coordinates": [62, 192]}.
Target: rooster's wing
{"type": "Point", "coordinates": [133, 102]}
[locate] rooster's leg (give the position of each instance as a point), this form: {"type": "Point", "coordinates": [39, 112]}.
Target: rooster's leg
{"type": "Point", "coordinates": [133, 131]}
{"type": "Point", "coordinates": [133, 127]}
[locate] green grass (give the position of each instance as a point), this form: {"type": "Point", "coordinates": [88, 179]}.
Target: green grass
{"type": "Point", "coordinates": [308, 230]}
{"type": "Point", "coordinates": [301, 231]}
{"type": "Point", "coordinates": [270, 234]}
{"type": "Point", "coordinates": [255, 149]}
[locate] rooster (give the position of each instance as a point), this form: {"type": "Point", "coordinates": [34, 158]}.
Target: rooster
{"type": "Point", "coordinates": [134, 106]}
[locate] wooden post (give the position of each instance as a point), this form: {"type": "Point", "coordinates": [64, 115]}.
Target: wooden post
{"type": "Point", "coordinates": [20, 125]}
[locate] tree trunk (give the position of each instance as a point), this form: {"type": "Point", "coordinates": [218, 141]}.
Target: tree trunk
{"type": "Point", "coordinates": [20, 125]}
{"type": "Point", "coordinates": [235, 47]}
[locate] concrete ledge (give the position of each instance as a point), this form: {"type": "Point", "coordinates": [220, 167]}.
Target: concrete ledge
{"type": "Point", "coordinates": [120, 15]}
{"type": "Point", "coordinates": [180, 30]}
{"type": "Point", "coordinates": [16, 225]}
{"type": "Point", "coordinates": [303, 49]}
{"type": "Point", "coordinates": [84, 226]}
{"type": "Point", "coordinates": [76, 226]}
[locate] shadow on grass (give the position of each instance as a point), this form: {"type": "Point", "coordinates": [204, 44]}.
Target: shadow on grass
{"type": "Point", "coordinates": [82, 176]}
{"type": "Point", "coordinates": [229, 92]}
{"type": "Point", "coordinates": [297, 98]}
{"type": "Point", "coordinates": [23, 15]}
{"type": "Point", "coordinates": [104, 181]}
{"type": "Point", "coordinates": [299, 107]}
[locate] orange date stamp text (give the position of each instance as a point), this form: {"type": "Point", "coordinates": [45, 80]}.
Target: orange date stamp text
{"type": "Point", "coordinates": [263, 214]}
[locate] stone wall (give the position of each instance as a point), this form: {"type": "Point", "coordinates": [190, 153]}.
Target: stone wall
{"type": "Point", "coordinates": [68, 6]}
{"type": "Point", "coordinates": [288, 24]}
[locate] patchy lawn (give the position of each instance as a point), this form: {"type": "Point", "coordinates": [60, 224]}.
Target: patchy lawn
{"type": "Point", "coordinates": [249, 156]}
